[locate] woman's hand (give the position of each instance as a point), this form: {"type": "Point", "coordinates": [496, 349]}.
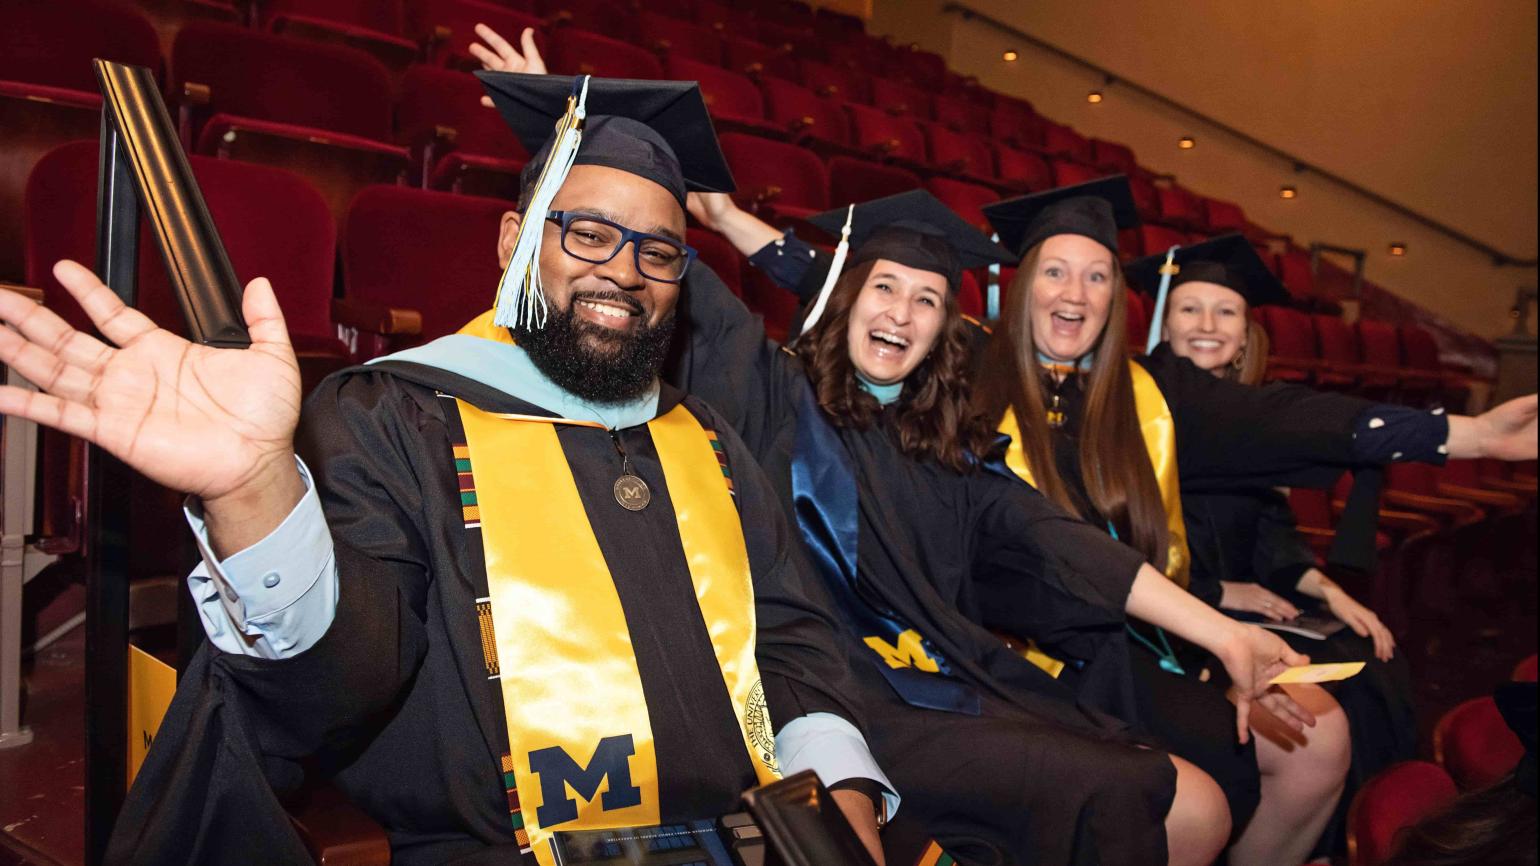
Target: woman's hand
{"type": "Point", "coordinates": [503, 57]}
{"type": "Point", "coordinates": [1253, 656]}
{"type": "Point", "coordinates": [217, 423]}
{"type": "Point", "coordinates": [1507, 432]}
{"type": "Point", "coordinates": [1361, 620]}
{"type": "Point", "coordinates": [1255, 598]}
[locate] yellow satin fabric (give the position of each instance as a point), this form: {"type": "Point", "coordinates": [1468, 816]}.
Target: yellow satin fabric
{"type": "Point", "coordinates": [568, 669]}
{"type": "Point", "coordinates": [1158, 429]}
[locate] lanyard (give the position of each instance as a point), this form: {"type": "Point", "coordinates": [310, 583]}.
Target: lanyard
{"type": "Point", "coordinates": [1167, 656]}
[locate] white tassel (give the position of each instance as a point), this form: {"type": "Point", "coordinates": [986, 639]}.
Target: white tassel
{"type": "Point", "coordinates": [1167, 271]}
{"type": "Point", "coordinates": [835, 267]}
{"type": "Point", "coordinates": [520, 300]}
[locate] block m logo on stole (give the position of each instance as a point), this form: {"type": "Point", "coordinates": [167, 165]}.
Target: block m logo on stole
{"type": "Point", "coordinates": [910, 652]}
{"type": "Point", "coordinates": [558, 771]}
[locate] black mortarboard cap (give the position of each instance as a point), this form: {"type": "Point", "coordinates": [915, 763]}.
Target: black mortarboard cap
{"type": "Point", "coordinates": [1095, 209]}
{"type": "Point", "coordinates": [658, 130]}
{"type": "Point", "coordinates": [1229, 260]}
{"type": "Point", "coordinates": [916, 230]}
{"type": "Point", "coordinates": [1517, 704]}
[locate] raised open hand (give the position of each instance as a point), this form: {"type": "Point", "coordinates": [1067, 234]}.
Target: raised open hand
{"type": "Point", "coordinates": [213, 422]}
{"type": "Point", "coordinates": [1252, 658]}
{"type": "Point", "coordinates": [500, 56]}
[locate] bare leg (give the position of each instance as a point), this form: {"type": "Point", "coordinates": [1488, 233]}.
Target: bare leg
{"type": "Point", "coordinates": [1302, 780]}
{"type": "Point", "coordinates": [1199, 821]}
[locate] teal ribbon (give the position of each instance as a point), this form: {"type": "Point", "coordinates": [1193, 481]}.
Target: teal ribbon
{"type": "Point", "coordinates": [1160, 302]}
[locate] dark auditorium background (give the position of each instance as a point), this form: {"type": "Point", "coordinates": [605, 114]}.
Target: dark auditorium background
{"type": "Point", "coordinates": [1380, 155]}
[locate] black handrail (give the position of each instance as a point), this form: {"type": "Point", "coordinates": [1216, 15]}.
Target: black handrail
{"type": "Point", "coordinates": [142, 170]}
{"type": "Point", "coordinates": [1498, 257]}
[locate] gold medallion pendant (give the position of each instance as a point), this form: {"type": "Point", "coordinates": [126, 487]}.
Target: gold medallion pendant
{"type": "Point", "coordinates": [632, 492]}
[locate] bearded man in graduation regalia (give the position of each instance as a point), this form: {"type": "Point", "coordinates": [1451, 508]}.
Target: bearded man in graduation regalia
{"type": "Point", "coordinates": [496, 587]}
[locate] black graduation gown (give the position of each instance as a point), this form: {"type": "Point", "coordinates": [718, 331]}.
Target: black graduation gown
{"type": "Point", "coordinates": [394, 703]}
{"type": "Point", "coordinates": [1250, 536]}
{"type": "Point", "coordinates": [1035, 777]}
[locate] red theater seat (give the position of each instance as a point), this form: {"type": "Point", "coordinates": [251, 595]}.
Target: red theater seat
{"type": "Point", "coordinates": [272, 222]}
{"type": "Point", "coordinates": [593, 16]}
{"type": "Point", "coordinates": [1475, 745]}
{"type": "Point", "coordinates": [959, 153]}
{"type": "Point", "coordinates": [733, 100]}
{"type": "Point", "coordinates": [1180, 208]}
{"type": "Point", "coordinates": [448, 27]}
{"type": "Point", "coordinates": [1527, 670]}
{"type": "Point", "coordinates": [922, 69]}
{"type": "Point", "coordinates": [1152, 240]}
{"type": "Point", "coordinates": [457, 142]}
{"type": "Point", "coordinates": [1113, 158]}
{"type": "Point", "coordinates": [1017, 125]}
{"type": "Point", "coordinates": [804, 114]}
{"type": "Point", "coordinates": [1067, 172]}
{"type": "Point", "coordinates": [1424, 377]}
{"type": "Point", "coordinates": [717, 253]}
{"type": "Point", "coordinates": [852, 180]}
{"type": "Point", "coordinates": [775, 179]}
{"type": "Point", "coordinates": [835, 82]}
{"type": "Point", "coordinates": [1396, 798]}
{"type": "Point", "coordinates": [1294, 270]}
{"type": "Point", "coordinates": [374, 26]}
{"type": "Point", "coordinates": [885, 136]}
{"type": "Point", "coordinates": [1224, 217]}
{"type": "Point", "coordinates": [1292, 336]}
{"type": "Point", "coordinates": [758, 61]}
{"type": "Point", "coordinates": [1061, 140]}
{"type": "Point", "coordinates": [956, 113]}
{"type": "Point", "coordinates": [579, 52]}
{"type": "Point", "coordinates": [901, 100]}
{"type": "Point", "coordinates": [1027, 172]}
{"type": "Point", "coordinates": [1380, 348]}
{"type": "Point", "coordinates": [968, 199]}
{"type": "Point", "coordinates": [672, 38]}
{"type": "Point", "coordinates": [321, 110]}
{"type": "Point", "coordinates": [410, 251]}
{"type": "Point", "coordinates": [1337, 347]}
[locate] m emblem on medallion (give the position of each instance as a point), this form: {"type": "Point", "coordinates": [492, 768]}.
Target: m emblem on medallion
{"type": "Point", "coordinates": [632, 493]}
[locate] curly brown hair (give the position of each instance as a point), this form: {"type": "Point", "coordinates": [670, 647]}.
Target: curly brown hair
{"type": "Point", "coordinates": [934, 418]}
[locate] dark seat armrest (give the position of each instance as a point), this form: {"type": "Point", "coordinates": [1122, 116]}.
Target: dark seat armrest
{"type": "Point", "coordinates": [31, 293]}
{"type": "Point", "coordinates": [336, 832]}
{"type": "Point", "coordinates": [1493, 498]}
{"type": "Point", "coordinates": [376, 318]}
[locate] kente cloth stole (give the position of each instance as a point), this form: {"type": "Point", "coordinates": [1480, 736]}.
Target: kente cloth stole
{"type": "Point", "coordinates": [572, 696]}
{"type": "Point", "coordinates": [1159, 431]}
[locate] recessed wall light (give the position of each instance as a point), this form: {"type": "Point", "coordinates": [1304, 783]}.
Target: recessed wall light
{"type": "Point", "coordinates": [1287, 191]}
{"type": "Point", "coordinates": [1094, 97]}
{"type": "Point", "coordinates": [1187, 142]}
{"type": "Point", "coordinates": [1010, 56]}
{"type": "Point", "coordinates": [1397, 248]}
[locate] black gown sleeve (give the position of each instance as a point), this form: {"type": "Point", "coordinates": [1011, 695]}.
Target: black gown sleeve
{"type": "Point", "coordinates": [239, 728]}
{"type": "Point", "coordinates": [1281, 556]}
{"type": "Point", "coordinates": [795, 265]}
{"type": "Point", "coordinates": [1042, 573]}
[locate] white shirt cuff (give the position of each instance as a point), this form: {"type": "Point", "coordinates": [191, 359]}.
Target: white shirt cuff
{"type": "Point", "coordinates": [831, 747]}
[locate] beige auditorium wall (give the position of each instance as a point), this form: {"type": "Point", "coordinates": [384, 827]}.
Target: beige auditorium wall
{"type": "Point", "coordinates": [1432, 105]}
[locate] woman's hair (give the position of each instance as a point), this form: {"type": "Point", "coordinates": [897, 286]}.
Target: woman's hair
{"type": "Point", "coordinates": [1114, 461]}
{"type": "Point", "coordinates": [1492, 827]}
{"type": "Point", "coordinates": [934, 417]}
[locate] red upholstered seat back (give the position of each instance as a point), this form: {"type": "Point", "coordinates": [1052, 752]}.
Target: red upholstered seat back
{"type": "Point", "coordinates": [754, 59]}
{"type": "Point", "coordinates": [1146, 196]}
{"type": "Point", "coordinates": [1379, 342]}
{"type": "Point", "coordinates": [1393, 800]}
{"type": "Point", "coordinates": [955, 112]}
{"type": "Point", "coordinates": [674, 38]}
{"type": "Point", "coordinates": [1224, 216]}
{"type": "Point", "coordinates": [594, 16]}
{"type": "Point", "coordinates": [900, 99]}
{"type": "Point", "coordinates": [728, 95]}
{"type": "Point", "coordinates": [856, 180]}
{"type": "Point", "coordinates": [1019, 166]}
{"type": "Point", "coordinates": [1179, 207]}
{"type": "Point", "coordinates": [1290, 331]}
{"type": "Point", "coordinates": [432, 97]}
{"type": "Point", "coordinates": [717, 253]}
{"type": "Point", "coordinates": [1338, 344]}
{"type": "Point", "coordinates": [1061, 140]}
{"type": "Point", "coordinates": [1475, 745]}
{"type": "Point", "coordinates": [1155, 239]}
{"type": "Point", "coordinates": [1311, 507]}
{"type": "Point", "coordinates": [873, 128]}
{"type": "Point", "coordinates": [1016, 124]}
{"type": "Point", "coordinates": [968, 199]}
{"type": "Point", "coordinates": [456, 20]}
{"type": "Point", "coordinates": [958, 151]}
{"type": "Point", "coordinates": [272, 222]}
{"type": "Point", "coordinates": [268, 77]}
{"type": "Point", "coordinates": [53, 42]}
{"type": "Point", "coordinates": [836, 82]}
{"type": "Point", "coordinates": [1527, 670]}
{"type": "Point", "coordinates": [789, 105]}
{"type": "Point", "coordinates": [386, 16]}
{"type": "Point", "coordinates": [1112, 157]}
{"type": "Point", "coordinates": [759, 163]}
{"type": "Point", "coordinates": [1068, 173]}
{"type": "Point", "coordinates": [578, 52]}
{"type": "Point", "coordinates": [427, 251]}
{"type": "Point", "coordinates": [1420, 348]}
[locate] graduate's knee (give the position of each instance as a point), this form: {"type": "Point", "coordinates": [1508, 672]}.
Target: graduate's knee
{"type": "Point", "coordinates": [1198, 825]}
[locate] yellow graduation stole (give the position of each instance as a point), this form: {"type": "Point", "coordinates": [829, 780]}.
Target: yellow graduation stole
{"type": "Point", "coordinates": [578, 728]}
{"type": "Point", "coordinates": [1159, 431]}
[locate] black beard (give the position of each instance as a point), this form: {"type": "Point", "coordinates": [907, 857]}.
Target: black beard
{"type": "Point", "coordinates": [593, 362]}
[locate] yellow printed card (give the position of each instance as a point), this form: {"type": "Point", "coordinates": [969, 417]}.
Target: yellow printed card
{"type": "Point", "coordinates": [1328, 673]}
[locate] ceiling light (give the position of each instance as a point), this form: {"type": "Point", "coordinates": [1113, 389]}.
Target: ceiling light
{"type": "Point", "coordinates": [1187, 142]}
{"type": "Point", "coordinates": [1010, 56]}
{"type": "Point", "coordinates": [1287, 191]}
{"type": "Point", "coordinates": [1094, 97]}
{"type": "Point", "coordinates": [1397, 249]}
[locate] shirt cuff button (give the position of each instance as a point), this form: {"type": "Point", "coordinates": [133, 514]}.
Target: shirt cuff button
{"type": "Point", "coordinates": [270, 579]}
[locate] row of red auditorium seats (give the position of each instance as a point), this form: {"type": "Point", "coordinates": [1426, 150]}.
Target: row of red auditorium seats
{"type": "Point", "coordinates": [1474, 748]}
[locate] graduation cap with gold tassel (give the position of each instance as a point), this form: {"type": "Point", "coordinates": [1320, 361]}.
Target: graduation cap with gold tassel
{"type": "Point", "coordinates": [657, 130]}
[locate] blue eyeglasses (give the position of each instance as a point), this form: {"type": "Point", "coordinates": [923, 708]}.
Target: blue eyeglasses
{"type": "Point", "coordinates": [597, 240]}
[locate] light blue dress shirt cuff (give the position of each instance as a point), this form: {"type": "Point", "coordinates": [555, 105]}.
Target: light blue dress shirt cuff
{"type": "Point", "coordinates": [831, 747]}
{"type": "Point", "coordinates": [276, 598]}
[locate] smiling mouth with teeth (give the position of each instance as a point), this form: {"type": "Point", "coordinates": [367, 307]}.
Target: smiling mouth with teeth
{"type": "Point", "coordinates": [615, 311]}
{"type": "Point", "coordinates": [890, 339]}
{"type": "Point", "coordinates": [1070, 317]}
